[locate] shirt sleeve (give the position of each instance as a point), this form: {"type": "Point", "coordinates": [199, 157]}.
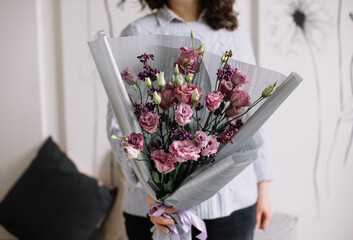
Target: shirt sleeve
{"type": "Point", "coordinates": [129, 30]}
{"type": "Point", "coordinates": [262, 164]}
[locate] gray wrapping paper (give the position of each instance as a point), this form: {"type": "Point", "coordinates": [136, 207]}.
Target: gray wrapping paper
{"type": "Point", "coordinates": [113, 54]}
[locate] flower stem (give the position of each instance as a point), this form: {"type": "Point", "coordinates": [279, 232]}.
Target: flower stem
{"type": "Point", "coordinates": [176, 171]}
{"type": "Point", "coordinates": [140, 95]}
{"type": "Point", "coordinates": [198, 123]}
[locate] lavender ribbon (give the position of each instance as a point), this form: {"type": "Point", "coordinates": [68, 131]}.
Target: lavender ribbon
{"type": "Point", "coordinates": [186, 218]}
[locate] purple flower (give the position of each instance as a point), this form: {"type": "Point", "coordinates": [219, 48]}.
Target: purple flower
{"type": "Point", "coordinates": [180, 134]}
{"type": "Point", "coordinates": [148, 72]}
{"type": "Point", "coordinates": [224, 73]}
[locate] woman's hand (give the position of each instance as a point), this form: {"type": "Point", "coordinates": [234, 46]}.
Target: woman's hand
{"type": "Point", "coordinates": [263, 207]}
{"type": "Point", "coordinates": [160, 222]}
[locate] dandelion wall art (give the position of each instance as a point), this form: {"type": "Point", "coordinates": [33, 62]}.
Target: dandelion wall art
{"type": "Point", "coordinates": [299, 23]}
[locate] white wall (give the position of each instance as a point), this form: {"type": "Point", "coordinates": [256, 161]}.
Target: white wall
{"type": "Point", "coordinates": [57, 92]}
{"type": "Point", "coordinates": [294, 126]}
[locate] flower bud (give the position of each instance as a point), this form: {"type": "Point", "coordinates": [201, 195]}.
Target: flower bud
{"type": "Point", "coordinates": [114, 137]}
{"type": "Point", "coordinates": [185, 62]}
{"type": "Point", "coordinates": [189, 77]}
{"type": "Point", "coordinates": [156, 98]}
{"type": "Point", "coordinates": [192, 34]}
{"type": "Point", "coordinates": [269, 90]}
{"type": "Point", "coordinates": [180, 80]}
{"type": "Point", "coordinates": [176, 69]}
{"type": "Point", "coordinates": [173, 79]}
{"type": "Point", "coordinates": [148, 82]}
{"type": "Point", "coordinates": [129, 76]}
{"type": "Point", "coordinates": [202, 47]}
{"type": "Point", "coordinates": [160, 79]}
{"type": "Point", "coordinates": [195, 95]}
{"type": "Point", "coordinates": [135, 87]}
{"type": "Point", "coordinates": [223, 59]}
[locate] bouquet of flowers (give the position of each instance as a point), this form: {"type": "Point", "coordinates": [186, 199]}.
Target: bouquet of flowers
{"type": "Point", "coordinates": [175, 141]}
{"type": "Point", "coordinates": [185, 137]}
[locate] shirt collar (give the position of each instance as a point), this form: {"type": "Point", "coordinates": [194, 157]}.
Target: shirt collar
{"type": "Point", "coordinates": [165, 15]}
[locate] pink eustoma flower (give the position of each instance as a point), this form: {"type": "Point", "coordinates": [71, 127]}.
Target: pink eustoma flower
{"type": "Point", "coordinates": [238, 77]}
{"type": "Point", "coordinates": [129, 76]}
{"type": "Point", "coordinates": [183, 113]}
{"type": "Point", "coordinates": [135, 140]}
{"type": "Point", "coordinates": [164, 162]}
{"type": "Point", "coordinates": [201, 139]}
{"type": "Point", "coordinates": [149, 121]}
{"type": "Point", "coordinates": [226, 88]}
{"type": "Point", "coordinates": [214, 100]}
{"type": "Point", "coordinates": [185, 150]}
{"type": "Point", "coordinates": [187, 60]}
{"type": "Point", "coordinates": [211, 147]}
{"type": "Point", "coordinates": [240, 98]}
{"type": "Point", "coordinates": [179, 93]}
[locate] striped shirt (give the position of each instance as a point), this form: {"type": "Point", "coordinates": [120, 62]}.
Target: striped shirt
{"type": "Point", "coordinates": [241, 192]}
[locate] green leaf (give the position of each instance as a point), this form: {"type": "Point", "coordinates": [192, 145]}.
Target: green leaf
{"type": "Point", "coordinates": [156, 177]}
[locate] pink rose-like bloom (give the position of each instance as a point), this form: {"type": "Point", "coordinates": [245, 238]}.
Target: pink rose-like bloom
{"type": "Point", "coordinates": [184, 150]}
{"type": "Point", "coordinates": [239, 78]}
{"type": "Point", "coordinates": [240, 98]}
{"type": "Point", "coordinates": [179, 94]}
{"type": "Point", "coordinates": [129, 76]}
{"type": "Point", "coordinates": [190, 55]}
{"type": "Point", "coordinates": [135, 140]}
{"type": "Point", "coordinates": [131, 152]}
{"type": "Point", "coordinates": [167, 100]}
{"type": "Point", "coordinates": [183, 113]}
{"type": "Point", "coordinates": [213, 100]}
{"type": "Point", "coordinates": [211, 147]}
{"type": "Point", "coordinates": [201, 139]}
{"type": "Point", "coordinates": [234, 111]}
{"type": "Point", "coordinates": [226, 88]}
{"type": "Point", "coordinates": [149, 121]}
{"type": "Point", "coordinates": [164, 162]}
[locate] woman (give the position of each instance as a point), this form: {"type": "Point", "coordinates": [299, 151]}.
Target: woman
{"type": "Point", "coordinates": [243, 204]}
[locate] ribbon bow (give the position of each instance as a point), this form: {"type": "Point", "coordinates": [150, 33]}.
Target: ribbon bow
{"type": "Point", "coordinates": [186, 218]}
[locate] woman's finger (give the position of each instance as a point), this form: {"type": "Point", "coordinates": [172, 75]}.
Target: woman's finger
{"type": "Point", "coordinates": [170, 210]}
{"type": "Point", "coordinates": [258, 219]}
{"type": "Point", "coordinates": [163, 221]}
{"type": "Point", "coordinates": [160, 226]}
{"type": "Point", "coordinates": [266, 220]}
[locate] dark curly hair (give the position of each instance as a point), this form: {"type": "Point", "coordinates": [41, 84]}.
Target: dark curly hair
{"type": "Point", "coordinates": [218, 13]}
